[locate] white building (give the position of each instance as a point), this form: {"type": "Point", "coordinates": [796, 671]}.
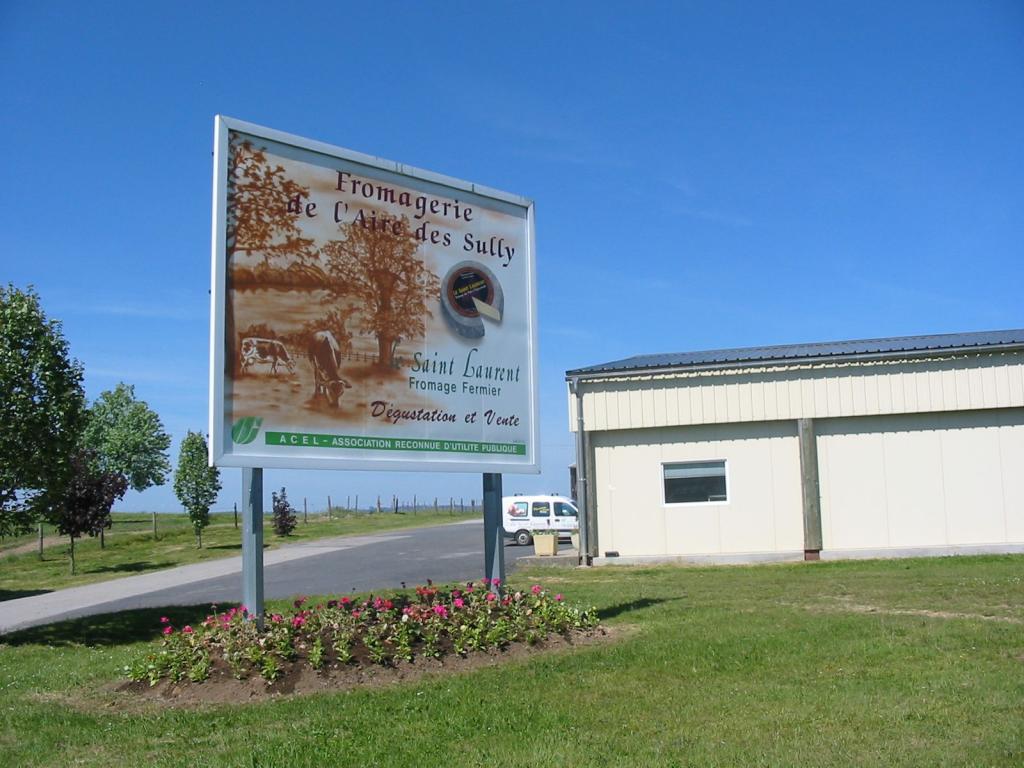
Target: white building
{"type": "Point", "coordinates": [885, 447]}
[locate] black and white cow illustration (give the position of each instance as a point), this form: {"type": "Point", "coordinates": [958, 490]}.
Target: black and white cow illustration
{"type": "Point", "coordinates": [325, 357]}
{"type": "Point", "coordinates": [265, 351]}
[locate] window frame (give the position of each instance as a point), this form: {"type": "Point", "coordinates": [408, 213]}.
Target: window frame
{"type": "Point", "coordinates": [718, 503]}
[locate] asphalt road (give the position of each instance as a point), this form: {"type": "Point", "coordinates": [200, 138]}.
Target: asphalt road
{"type": "Point", "coordinates": [447, 553]}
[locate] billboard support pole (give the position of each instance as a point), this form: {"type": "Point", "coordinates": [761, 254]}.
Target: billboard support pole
{"type": "Point", "coordinates": [494, 539]}
{"type": "Point", "coordinates": [252, 543]}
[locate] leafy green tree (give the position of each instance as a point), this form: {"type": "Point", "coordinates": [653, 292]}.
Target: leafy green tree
{"type": "Point", "coordinates": [42, 410]}
{"type": "Point", "coordinates": [196, 484]}
{"type": "Point", "coordinates": [84, 508]}
{"type": "Point", "coordinates": [284, 516]}
{"type": "Point", "coordinates": [128, 438]}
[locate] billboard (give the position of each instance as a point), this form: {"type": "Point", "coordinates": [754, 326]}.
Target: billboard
{"type": "Point", "coordinates": [366, 314]}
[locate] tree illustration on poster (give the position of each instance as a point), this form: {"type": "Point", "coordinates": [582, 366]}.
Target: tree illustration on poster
{"type": "Point", "coordinates": [381, 269]}
{"type": "Point", "coordinates": [257, 220]}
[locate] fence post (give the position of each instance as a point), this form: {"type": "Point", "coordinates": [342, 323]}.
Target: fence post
{"type": "Point", "coordinates": [330, 515]}
{"type": "Point", "coordinates": [414, 503]}
{"type": "Point", "coordinates": [40, 540]}
{"type": "Point", "coordinates": [235, 506]}
{"type": "Point", "coordinates": [305, 511]}
{"type": "Point", "coordinates": [451, 505]}
{"type": "Point", "coordinates": [154, 525]}
{"type": "Point", "coordinates": [378, 503]}
{"type": "Point", "coordinates": [462, 505]}
{"type": "Point", "coordinates": [357, 503]}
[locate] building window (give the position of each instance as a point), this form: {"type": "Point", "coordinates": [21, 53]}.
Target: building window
{"type": "Point", "coordinates": [695, 482]}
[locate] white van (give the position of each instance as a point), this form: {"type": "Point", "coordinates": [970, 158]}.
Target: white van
{"type": "Point", "coordinates": [521, 515]}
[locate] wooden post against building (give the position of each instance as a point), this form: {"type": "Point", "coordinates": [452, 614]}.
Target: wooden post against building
{"type": "Point", "coordinates": [809, 488]}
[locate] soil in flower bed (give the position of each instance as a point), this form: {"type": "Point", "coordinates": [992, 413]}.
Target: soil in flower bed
{"type": "Point", "coordinates": [299, 678]}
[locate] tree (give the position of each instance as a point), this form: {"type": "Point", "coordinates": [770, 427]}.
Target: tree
{"type": "Point", "coordinates": [196, 484]}
{"type": "Point", "coordinates": [284, 516]}
{"type": "Point", "coordinates": [84, 507]}
{"type": "Point", "coordinates": [42, 408]}
{"type": "Point", "coordinates": [380, 269]}
{"type": "Point", "coordinates": [128, 438]}
{"type": "Point", "coordinates": [258, 220]}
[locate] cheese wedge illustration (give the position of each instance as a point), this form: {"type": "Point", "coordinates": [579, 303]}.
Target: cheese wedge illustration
{"type": "Point", "coordinates": [486, 310]}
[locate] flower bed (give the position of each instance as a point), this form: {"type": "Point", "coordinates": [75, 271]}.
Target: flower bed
{"type": "Point", "coordinates": [432, 623]}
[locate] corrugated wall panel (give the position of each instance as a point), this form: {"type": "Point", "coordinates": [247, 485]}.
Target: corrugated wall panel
{"type": "Point", "coordinates": [996, 381]}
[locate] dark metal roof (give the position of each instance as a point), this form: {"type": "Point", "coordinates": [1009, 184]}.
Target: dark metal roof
{"type": "Point", "coordinates": [780, 355]}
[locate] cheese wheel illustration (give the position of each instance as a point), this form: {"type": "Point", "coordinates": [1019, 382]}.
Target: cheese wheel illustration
{"type": "Point", "coordinates": [470, 292]}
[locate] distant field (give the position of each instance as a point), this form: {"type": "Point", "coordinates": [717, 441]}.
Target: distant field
{"type": "Point", "coordinates": [130, 547]}
{"type": "Point", "coordinates": [870, 663]}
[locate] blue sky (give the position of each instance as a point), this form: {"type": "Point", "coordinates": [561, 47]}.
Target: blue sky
{"type": "Point", "coordinates": [705, 174]}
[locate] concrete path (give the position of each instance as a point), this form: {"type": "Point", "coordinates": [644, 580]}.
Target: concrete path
{"type": "Point", "coordinates": [382, 561]}
{"type": "Point", "coordinates": [80, 601]}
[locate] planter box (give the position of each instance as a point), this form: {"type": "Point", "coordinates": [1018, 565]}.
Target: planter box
{"type": "Point", "coordinates": [545, 544]}
{"type": "Point", "coordinates": [575, 537]}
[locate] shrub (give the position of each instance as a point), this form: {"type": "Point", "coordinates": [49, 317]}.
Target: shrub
{"type": "Point", "coordinates": [284, 516]}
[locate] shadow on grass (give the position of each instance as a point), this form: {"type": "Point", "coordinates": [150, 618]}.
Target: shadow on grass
{"type": "Point", "coordinates": [236, 547]}
{"type": "Point", "coordinates": [119, 628]}
{"type": "Point", "coordinates": [633, 605]}
{"type": "Point", "coordinates": [14, 594]}
{"type": "Point", "coordinates": [135, 567]}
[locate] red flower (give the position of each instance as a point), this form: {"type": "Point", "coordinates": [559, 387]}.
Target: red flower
{"type": "Point", "coordinates": [168, 629]}
{"type": "Point", "coordinates": [187, 629]}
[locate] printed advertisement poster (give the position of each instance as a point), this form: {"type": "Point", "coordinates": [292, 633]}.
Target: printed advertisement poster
{"type": "Point", "coordinates": [366, 314]}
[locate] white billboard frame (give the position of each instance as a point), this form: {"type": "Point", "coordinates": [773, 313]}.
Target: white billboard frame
{"type": "Point", "coordinates": [220, 454]}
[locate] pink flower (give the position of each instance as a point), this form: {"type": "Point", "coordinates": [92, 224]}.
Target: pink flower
{"type": "Point", "coordinates": [277, 618]}
{"type": "Point", "coordinates": [535, 589]}
{"type": "Point", "coordinates": [558, 597]}
{"type": "Point", "coordinates": [378, 603]}
{"type": "Point", "coordinates": [168, 630]}
{"type": "Point", "coordinates": [491, 597]}
{"type": "Point", "coordinates": [458, 602]}
{"type": "Point", "coordinates": [164, 620]}
{"type": "Point", "coordinates": [187, 629]}
{"type": "Point", "coordinates": [299, 601]}
{"type": "Point", "coordinates": [345, 601]}
{"type": "Point", "coordinates": [298, 621]}
{"type": "Point", "coordinates": [496, 582]}
{"type": "Point", "coordinates": [485, 581]}
{"type": "Point", "coordinates": [441, 611]}
{"type": "Point", "coordinates": [355, 614]}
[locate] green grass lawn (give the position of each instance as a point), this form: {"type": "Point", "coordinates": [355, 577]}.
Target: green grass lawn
{"type": "Point", "coordinates": [875, 663]}
{"type": "Point", "coordinates": [130, 548]}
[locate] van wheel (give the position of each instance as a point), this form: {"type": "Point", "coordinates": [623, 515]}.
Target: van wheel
{"type": "Point", "coordinates": [523, 538]}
